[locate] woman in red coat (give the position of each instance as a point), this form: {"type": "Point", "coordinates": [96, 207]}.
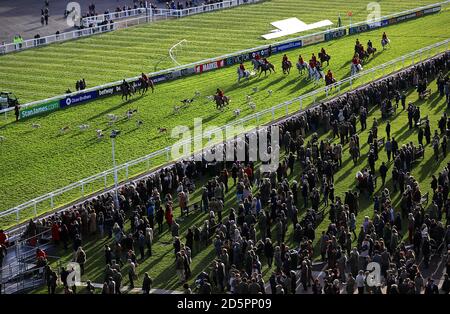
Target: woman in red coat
{"type": "Point", "coordinates": [56, 233]}
{"type": "Point", "coordinates": [169, 214]}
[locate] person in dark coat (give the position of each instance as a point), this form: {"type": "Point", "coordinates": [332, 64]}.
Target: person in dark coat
{"type": "Point", "coordinates": [147, 284]}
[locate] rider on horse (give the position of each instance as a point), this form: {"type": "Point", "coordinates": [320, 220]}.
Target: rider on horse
{"type": "Point", "coordinates": [384, 40]}
{"type": "Point", "coordinates": [300, 59]}
{"type": "Point", "coordinates": [329, 79]}
{"type": "Point", "coordinates": [220, 93]}
{"type": "Point", "coordinates": [242, 67]}
{"type": "Point", "coordinates": [355, 59]}
{"type": "Point", "coordinates": [357, 44]}
{"type": "Point", "coordinates": [313, 58]}
{"type": "Point", "coordinates": [144, 77]}
{"type": "Point", "coordinates": [265, 61]}
{"type": "Point", "coordinates": [369, 44]}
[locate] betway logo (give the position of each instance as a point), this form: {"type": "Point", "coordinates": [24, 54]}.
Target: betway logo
{"type": "Point", "coordinates": [108, 91]}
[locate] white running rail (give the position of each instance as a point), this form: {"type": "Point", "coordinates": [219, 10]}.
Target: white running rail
{"type": "Point", "coordinates": [174, 48]}
{"type": "Point", "coordinates": [280, 110]}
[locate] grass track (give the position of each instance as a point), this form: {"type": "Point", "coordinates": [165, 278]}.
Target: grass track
{"type": "Point", "coordinates": [34, 162]}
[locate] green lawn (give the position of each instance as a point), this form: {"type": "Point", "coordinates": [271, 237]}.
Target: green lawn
{"type": "Point", "coordinates": [161, 265]}
{"type": "Point", "coordinates": [37, 161]}
{"type": "Point", "coordinates": [48, 71]}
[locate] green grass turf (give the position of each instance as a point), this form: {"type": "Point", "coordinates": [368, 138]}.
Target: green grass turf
{"type": "Point", "coordinates": [48, 71]}
{"type": "Point", "coordinates": [37, 161]}
{"type": "Point", "coordinates": [161, 265]}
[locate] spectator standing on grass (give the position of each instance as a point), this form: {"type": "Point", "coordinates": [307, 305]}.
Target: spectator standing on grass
{"type": "Point", "coordinates": [160, 219]}
{"type": "Point", "coordinates": [132, 275]}
{"type": "Point", "coordinates": [445, 288]}
{"type": "Point", "coordinates": [81, 258]}
{"type": "Point", "coordinates": [147, 284]}
{"type": "Point", "coordinates": [360, 282]}
{"type": "Point", "coordinates": [17, 111]}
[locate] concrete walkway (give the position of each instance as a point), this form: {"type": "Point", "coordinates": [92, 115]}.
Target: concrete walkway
{"type": "Point", "coordinates": [24, 16]}
{"type": "Point", "coordinates": [136, 290]}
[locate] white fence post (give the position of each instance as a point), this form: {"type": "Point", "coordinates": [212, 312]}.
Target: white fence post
{"type": "Point", "coordinates": [35, 209]}
{"type": "Point", "coordinates": [126, 170]}
{"type": "Point", "coordinates": [273, 113]}
{"type": "Point", "coordinates": [82, 189]}
{"type": "Point", "coordinates": [301, 103]}
{"type": "Point", "coordinates": [106, 185]}
{"type": "Point", "coordinates": [52, 203]}
{"type": "Point", "coordinates": [287, 108]}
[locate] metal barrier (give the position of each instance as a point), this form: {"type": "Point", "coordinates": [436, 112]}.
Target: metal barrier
{"type": "Point", "coordinates": [102, 181]}
{"type": "Point", "coordinates": [166, 13]}
{"type": "Point", "coordinates": [88, 20]}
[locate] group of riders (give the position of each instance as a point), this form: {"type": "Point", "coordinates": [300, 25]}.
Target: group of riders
{"type": "Point", "coordinates": [129, 89]}
{"type": "Point", "coordinates": [314, 66]}
{"type": "Point", "coordinates": [262, 64]}
{"type": "Point", "coordinates": [362, 54]}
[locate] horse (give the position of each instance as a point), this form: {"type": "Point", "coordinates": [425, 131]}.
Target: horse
{"type": "Point", "coordinates": [323, 57]}
{"type": "Point", "coordinates": [286, 66]}
{"type": "Point", "coordinates": [316, 74]}
{"type": "Point", "coordinates": [385, 42]}
{"type": "Point", "coordinates": [126, 89]}
{"type": "Point", "coordinates": [355, 68]}
{"type": "Point", "coordinates": [301, 67]}
{"type": "Point", "coordinates": [243, 74]}
{"type": "Point", "coordinates": [363, 55]}
{"type": "Point", "coordinates": [221, 101]}
{"type": "Point", "coordinates": [329, 81]}
{"type": "Point", "coordinates": [371, 50]}
{"type": "Point", "coordinates": [145, 84]}
{"type": "Point", "coordinates": [266, 67]}
{"type": "Point", "coordinates": [256, 64]}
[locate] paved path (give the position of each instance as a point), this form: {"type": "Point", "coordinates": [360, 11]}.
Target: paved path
{"type": "Point", "coordinates": [24, 16]}
{"type": "Point", "coordinates": [137, 290]}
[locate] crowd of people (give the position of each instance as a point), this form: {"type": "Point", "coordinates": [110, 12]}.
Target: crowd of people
{"type": "Point", "coordinates": [254, 232]}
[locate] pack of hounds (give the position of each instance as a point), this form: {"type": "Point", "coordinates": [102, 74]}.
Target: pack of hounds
{"type": "Point", "coordinates": [111, 120]}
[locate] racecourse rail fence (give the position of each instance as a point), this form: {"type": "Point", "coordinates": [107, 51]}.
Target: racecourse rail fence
{"type": "Point", "coordinates": [149, 16]}
{"type": "Point", "coordinates": [75, 98]}
{"type": "Point", "coordinates": [104, 180]}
